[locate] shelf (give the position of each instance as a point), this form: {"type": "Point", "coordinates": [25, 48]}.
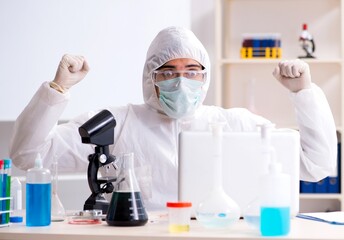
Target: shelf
{"type": "Point", "coordinates": [320, 196]}
{"type": "Point", "coordinates": [249, 83]}
{"type": "Point", "coordinates": [295, 127]}
{"type": "Point", "coordinates": [275, 61]}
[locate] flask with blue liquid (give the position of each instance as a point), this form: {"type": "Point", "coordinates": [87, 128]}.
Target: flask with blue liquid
{"type": "Point", "coordinates": [38, 195]}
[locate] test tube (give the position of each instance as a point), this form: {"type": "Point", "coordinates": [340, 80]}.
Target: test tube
{"type": "Point", "coordinates": [7, 189]}
{"type": "Point", "coordinates": [2, 187]}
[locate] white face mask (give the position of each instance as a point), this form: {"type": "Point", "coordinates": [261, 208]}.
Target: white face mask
{"type": "Point", "coordinates": [180, 97]}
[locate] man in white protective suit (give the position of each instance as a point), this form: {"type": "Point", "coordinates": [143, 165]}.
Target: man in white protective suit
{"type": "Point", "coordinates": [176, 78]}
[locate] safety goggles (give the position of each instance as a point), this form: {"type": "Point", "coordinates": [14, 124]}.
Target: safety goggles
{"type": "Point", "coordinates": [163, 75]}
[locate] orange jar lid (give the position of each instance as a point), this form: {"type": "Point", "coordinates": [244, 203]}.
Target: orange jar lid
{"type": "Point", "coordinates": [178, 204]}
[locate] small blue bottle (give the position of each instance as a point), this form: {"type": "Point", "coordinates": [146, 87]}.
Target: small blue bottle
{"type": "Point", "coordinates": [38, 195]}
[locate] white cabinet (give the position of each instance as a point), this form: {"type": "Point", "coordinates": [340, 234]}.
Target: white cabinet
{"type": "Point", "coordinates": [249, 82]}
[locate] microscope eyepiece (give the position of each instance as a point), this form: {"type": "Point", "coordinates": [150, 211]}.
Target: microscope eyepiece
{"type": "Point", "coordinates": [99, 130]}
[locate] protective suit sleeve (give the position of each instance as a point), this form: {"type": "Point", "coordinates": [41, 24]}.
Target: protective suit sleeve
{"type": "Point", "coordinates": [318, 134]}
{"type": "Point", "coordinates": [36, 130]}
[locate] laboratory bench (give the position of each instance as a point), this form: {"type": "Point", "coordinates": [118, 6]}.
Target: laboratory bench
{"type": "Point", "coordinates": [157, 228]}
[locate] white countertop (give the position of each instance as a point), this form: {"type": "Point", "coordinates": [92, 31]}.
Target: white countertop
{"type": "Point", "coordinates": [157, 228]}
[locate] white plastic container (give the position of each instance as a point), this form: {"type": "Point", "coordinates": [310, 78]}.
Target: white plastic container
{"type": "Point", "coordinates": [275, 195]}
{"type": "Point", "coordinates": [275, 202]}
{"type": "Point", "coordinates": [179, 216]}
{"type": "Point", "coordinates": [38, 195]}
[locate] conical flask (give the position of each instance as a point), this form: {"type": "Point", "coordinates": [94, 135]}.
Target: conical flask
{"type": "Point", "coordinates": [126, 206]}
{"type": "Point", "coordinates": [251, 214]}
{"type": "Point", "coordinates": [57, 210]}
{"type": "Point", "coordinates": [217, 210]}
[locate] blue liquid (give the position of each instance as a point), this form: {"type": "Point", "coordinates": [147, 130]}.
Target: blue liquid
{"type": "Point", "coordinates": [215, 220]}
{"type": "Point", "coordinates": [38, 204]}
{"type": "Point", "coordinates": [274, 221]}
{"type": "Point", "coordinates": [5, 217]}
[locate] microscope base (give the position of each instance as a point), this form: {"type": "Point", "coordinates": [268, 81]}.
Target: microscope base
{"type": "Point", "coordinates": [96, 204]}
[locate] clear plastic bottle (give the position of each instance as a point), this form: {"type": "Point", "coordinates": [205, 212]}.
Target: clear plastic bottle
{"type": "Point", "coordinates": [16, 204]}
{"type": "Point", "coordinates": [269, 211]}
{"type": "Point", "coordinates": [275, 194]}
{"type": "Point", "coordinates": [275, 202]}
{"type": "Point", "coordinates": [38, 195]}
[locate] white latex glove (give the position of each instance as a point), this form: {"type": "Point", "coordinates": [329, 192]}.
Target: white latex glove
{"type": "Point", "coordinates": [294, 75]}
{"type": "Point", "coordinates": [72, 69]}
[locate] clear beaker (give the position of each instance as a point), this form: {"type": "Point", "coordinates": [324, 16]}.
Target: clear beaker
{"type": "Point", "coordinates": [218, 210]}
{"type": "Point", "coordinates": [126, 206]}
{"type": "Point", "coordinates": [251, 214]}
{"type": "Point", "coordinates": [58, 213]}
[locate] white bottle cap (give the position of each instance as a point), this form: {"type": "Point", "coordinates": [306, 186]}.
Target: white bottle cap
{"type": "Point", "coordinates": [38, 161]}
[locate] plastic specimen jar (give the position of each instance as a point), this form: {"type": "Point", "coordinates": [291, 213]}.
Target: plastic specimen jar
{"type": "Point", "coordinates": [179, 215]}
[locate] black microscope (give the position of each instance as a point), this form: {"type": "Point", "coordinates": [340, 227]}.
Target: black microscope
{"type": "Point", "coordinates": [99, 130]}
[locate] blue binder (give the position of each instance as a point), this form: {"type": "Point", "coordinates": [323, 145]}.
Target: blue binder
{"type": "Point", "coordinates": [307, 187]}
{"type": "Point", "coordinates": [321, 186]}
{"type": "Point", "coordinates": [333, 185]}
{"type": "Point", "coordinates": [334, 182]}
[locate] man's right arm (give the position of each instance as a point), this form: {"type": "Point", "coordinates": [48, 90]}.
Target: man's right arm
{"type": "Point", "coordinates": [33, 129]}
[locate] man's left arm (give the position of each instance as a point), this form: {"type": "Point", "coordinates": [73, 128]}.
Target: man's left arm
{"type": "Point", "coordinates": [315, 120]}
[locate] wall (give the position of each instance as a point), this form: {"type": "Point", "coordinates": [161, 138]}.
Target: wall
{"type": "Point", "coordinates": [112, 35]}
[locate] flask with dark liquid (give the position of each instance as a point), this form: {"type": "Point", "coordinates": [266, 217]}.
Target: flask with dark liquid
{"type": "Point", "coordinates": [126, 206]}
